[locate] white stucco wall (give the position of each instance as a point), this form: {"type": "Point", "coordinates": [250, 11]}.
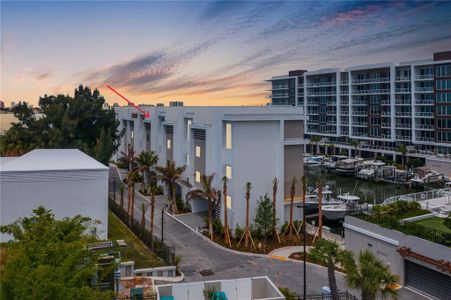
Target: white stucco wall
{"type": "Point", "coordinates": [66, 193]}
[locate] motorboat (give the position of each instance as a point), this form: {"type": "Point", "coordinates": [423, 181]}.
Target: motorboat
{"type": "Point", "coordinates": [331, 163]}
{"type": "Point", "coordinates": [371, 169]}
{"type": "Point", "coordinates": [344, 203]}
{"type": "Point", "coordinates": [313, 161]}
{"type": "Point", "coordinates": [348, 166]}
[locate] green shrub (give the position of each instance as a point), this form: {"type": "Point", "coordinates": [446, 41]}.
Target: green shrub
{"type": "Point", "coordinates": [447, 222]}
{"type": "Point", "coordinates": [238, 231]}
{"type": "Point", "coordinates": [289, 295]}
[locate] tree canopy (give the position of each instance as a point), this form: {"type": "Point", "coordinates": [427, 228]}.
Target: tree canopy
{"type": "Point", "coordinates": [68, 122]}
{"type": "Point", "coordinates": [49, 259]}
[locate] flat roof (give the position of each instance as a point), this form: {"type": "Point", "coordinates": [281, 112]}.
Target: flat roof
{"type": "Point", "coordinates": [51, 160]}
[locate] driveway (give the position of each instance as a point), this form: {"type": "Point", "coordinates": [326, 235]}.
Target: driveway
{"type": "Point", "coordinates": [199, 254]}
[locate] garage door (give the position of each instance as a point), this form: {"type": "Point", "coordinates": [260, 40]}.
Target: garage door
{"type": "Point", "coordinates": [427, 280]}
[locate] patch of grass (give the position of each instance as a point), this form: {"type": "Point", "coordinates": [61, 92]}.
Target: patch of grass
{"type": "Point", "coordinates": [135, 250]}
{"type": "Point", "coordinates": [434, 223]}
{"type": "Point", "coordinates": [414, 213]}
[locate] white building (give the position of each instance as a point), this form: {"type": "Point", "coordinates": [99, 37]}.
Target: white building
{"type": "Point", "coordinates": [381, 105]}
{"type": "Point", "coordinates": [67, 181]}
{"type": "Point", "coordinates": [246, 144]}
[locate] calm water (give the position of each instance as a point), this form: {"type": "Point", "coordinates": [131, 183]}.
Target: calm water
{"type": "Point", "coordinates": [366, 190]}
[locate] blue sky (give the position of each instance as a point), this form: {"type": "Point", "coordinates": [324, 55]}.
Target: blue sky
{"type": "Point", "coordinates": [203, 52]}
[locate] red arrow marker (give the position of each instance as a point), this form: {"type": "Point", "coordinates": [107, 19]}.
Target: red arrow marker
{"type": "Point", "coordinates": [146, 113]}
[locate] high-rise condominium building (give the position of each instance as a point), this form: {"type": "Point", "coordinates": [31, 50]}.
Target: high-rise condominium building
{"type": "Point", "coordinates": [381, 105]}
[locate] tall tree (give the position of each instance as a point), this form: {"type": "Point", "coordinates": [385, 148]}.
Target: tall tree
{"type": "Point", "coordinates": [330, 254]}
{"type": "Point", "coordinates": [171, 176]}
{"type": "Point", "coordinates": [79, 122]}
{"type": "Point", "coordinates": [227, 239]}
{"type": "Point", "coordinates": [153, 191]}
{"type": "Point", "coordinates": [275, 184]}
{"type": "Point", "coordinates": [315, 140]}
{"type": "Point", "coordinates": [144, 207]}
{"type": "Point", "coordinates": [247, 230]}
{"type": "Point", "coordinates": [263, 217]}
{"type": "Point", "coordinates": [403, 150]}
{"type": "Point", "coordinates": [206, 191]}
{"type": "Point", "coordinates": [129, 158]}
{"type": "Point", "coordinates": [356, 145]}
{"type": "Point", "coordinates": [370, 275]}
{"type": "Point", "coordinates": [48, 259]}
{"type": "Point", "coordinates": [132, 179]}
{"type": "Point", "coordinates": [146, 161]}
{"type": "Point", "coordinates": [291, 226]}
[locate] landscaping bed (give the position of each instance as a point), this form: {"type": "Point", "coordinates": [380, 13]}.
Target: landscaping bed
{"type": "Point", "coordinates": [435, 223]}
{"type": "Point", "coordinates": [135, 250]}
{"type": "Point", "coordinates": [300, 256]}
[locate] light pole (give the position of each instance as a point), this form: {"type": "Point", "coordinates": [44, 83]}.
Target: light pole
{"type": "Point", "coordinates": [305, 234]}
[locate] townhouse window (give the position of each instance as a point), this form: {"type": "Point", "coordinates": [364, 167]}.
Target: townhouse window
{"type": "Point", "coordinates": [229, 202]}
{"type": "Point", "coordinates": [197, 175]}
{"type": "Point", "coordinates": [228, 171]}
{"type": "Point", "coordinates": [197, 151]}
{"type": "Point", "coordinates": [228, 135]}
{"type": "Point", "coordinates": [168, 143]}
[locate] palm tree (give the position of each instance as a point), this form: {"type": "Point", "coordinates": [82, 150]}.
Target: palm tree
{"type": "Point", "coordinates": [315, 140]}
{"type": "Point", "coordinates": [275, 183]}
{"type": "Point", "coordinates": [143, 214]}
{"type": "Point", "coordinates": [370, 275]}
{"type": "Point", "coordinates": [128, 158]}
{"type": "Point", "coordinates": [206, 191]}
{"type": "Point", "coordinates": [403, 150]}
{"type": "Point", "coordinates": [226, 225]}
{"type": "Point", "coordinates": [153, 190]}
{"type": "Point", "coordinates": [171, 176]}
{"type": "Point", "coordinates": [122, 190]}
{"type": "Point", "coordinates": [247, 231]}
{"type": "Point", "coordinates": [291, 226]}
{"type": "Point", "coordinates": [356, 145]}
{"type": "Point", "coordinates": [131, 179]}
{"type": "Point", "coordinates": [146, 160]}
{"type": "Point", "coordinates": [330, 254]}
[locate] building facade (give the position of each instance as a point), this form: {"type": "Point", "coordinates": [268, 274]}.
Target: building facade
{"type": "Point", "coordinates": [380, 105]}
{"type": "Point", "coordinates": [245, 144]}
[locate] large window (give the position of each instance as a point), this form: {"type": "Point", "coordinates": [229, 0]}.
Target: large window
{"type": "Point", "coordinates": [197, 151]}
{"type": "Point", "coordinates": [228, 172]}
{"type": "Point", "coordinates": [228, 136]}
{"type": "Point", "coordinates": [168, 143]}
{"type": "Point", "coordinates": [443, 71]}
{"type": "Point", "coordinates": [443, 84]}
{"type": "Point", "coordinates": [197, 176]}
{"type": "Point", "coordinates": [229, 202]}
{"type": "Point", "coordinates": [443, 97]}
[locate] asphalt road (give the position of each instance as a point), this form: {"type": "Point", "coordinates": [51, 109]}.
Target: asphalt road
{"type": "Point", "coordinates": [199, 254]}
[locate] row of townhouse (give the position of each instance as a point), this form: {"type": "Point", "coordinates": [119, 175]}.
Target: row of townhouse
{"type": "Point", "coordinates": [246, 144]}
{"type": "Point", "coordinates": [382, 105]}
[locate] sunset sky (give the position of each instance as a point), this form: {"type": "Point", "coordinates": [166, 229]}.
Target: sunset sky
{"type": "Point", "coordinates": [205, 52]}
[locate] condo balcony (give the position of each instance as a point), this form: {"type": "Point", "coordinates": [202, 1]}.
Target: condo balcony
{"type": "Point", "coordinates": [319, 84]}
{"type": "Point", "coordinates": [344, 103]}
{"type": "Point", "coordinates": [344, 122]}
{"type": "Point", "coordinates": [402, 78]}
{"type": "Point", "coordinates": [424, 102]}
{"type": "Point", "coordinates": [385, 102]}
{"type": "Point", "coordinates": [403, 126]}
{"type": "Point", "coordinates": [385, 125]}
{"type": "Point", "coordinates": [403, 114]}
{"type": "Point", "coordinates": [371, 80]}
{"type": "Point", "coordinates": [331, 113]}
{"type": "Point", "coordinates": [315, 94]}
{"type": "Point", "coordinates": [344, 82]}
{"type": "Point", "coordinates": [403, 137]}
{"type": "Point", "coordinates": [386, 136]}
{"type": "Point", "coordinates": [331, 122]}
{"type": "Point", "coordinates": [402, 102]}
{"type": "Point", "coordinates": [371, 92]}
{"type": "Point", "coordinates": [359, 103]}
{"type": "Point", "coordinates": [424, 139]}
{"type": "Point", "coordinates": [424, 77]}
{"type": "Point", "coordinates": [360, 124]}
{"type": "Point", "coordinates": [278, 95]}
{"type": "Point", "coordinates": [342, 92]}
{"type": "Point", "coordinates": [312, 113]}
{"type": "Point", "coordinates": [424, 127]}
{"type": "Point", "coordinates": [359, 113]}
{"type": "Point", "coordinates": [345, 113]}
{"type": "Point", "coordinates": [402, 90]}
{"type": "Point", "coordinates": [313, 103]}
{"type": "Point", "coordinates": [363, 134]}
{"type": "Point", "coordinates": [278, 88]}
{"type": "Point", "coordinates": [424, 89]}
{"type": "Point", "coordinates": [424, 114]}
{"type": "Point", "coordinates": [331, 103]}
{"type": "Point", "coordinates": [385, 113]}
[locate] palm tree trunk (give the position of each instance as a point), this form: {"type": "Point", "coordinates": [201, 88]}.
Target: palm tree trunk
{"type": "Point", "coordinates": [210, 220]}
{"type": "Point", "coordinates": [291, 215]}
{"type": "Point", "coordinates": [143, 215]}
{"type": "Point", "coordinates": [152, 213]}
{"type": "Point", "coordinates": [332, 280]}
{"type": "Point", "coordinates": [320, 212]}
{"type": "Point", "coordinates": [226, 225]}
{"type": "Point", "coordinates": [246, 234]}
{"type": "Point", "coordinates": [132, 215]}
{"type": "Point", "coordinates": [174, 200]}
{"type": "Point", "coordinates": [274, 229]}
{"type": "Point", "coordinates": [129, 201]}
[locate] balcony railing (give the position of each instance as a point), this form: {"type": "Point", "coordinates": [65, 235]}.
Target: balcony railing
{"type": "Point", "coordinates": [403, 114]}
{"type": "Point", "coordinates": [385, 102]}
{"type": "Point", "coordinates": [424, 89]}
{"type": "Point", "coordinates": [385, 113]}
{"type": "Point", "coordinates": [424, 139]}
{"type": "Point", "coordinates": [402, 90]}
{"type": "Point", "coordinates": [344, 92]}
{"type": "Point", "coordinates": [371, 80]}
{"type": "Point", "coordinates": [344, 103]}
{"type": "Point", "coordinates": [331, 103]}
{"type": "Point", "coordinates": [321, 93]}
{"type": "Point", "coordinates": [365, 124]}
{"type": "Point", "coordinates": [424, 127]}
{"type": "Point", "coordinates": [345, 113]}
{"type": "Point", "coordinates": [326, 83]}
{"type": "Point", "coordinates": [359, 134]}
{"type": "Point", "coordinates": [312, 112]}
{"type": "Point", "coordinates": [424, 114]}
{"type": "Point", "coordinates": [386, 136]}
{"type": "Point", "coordinates": [403, 137]}
{"type": "Point", "coordinates": [385, 125]}
{"type": "Point", "coordinates": [359, 113]}
{"type": "Point", "coordinates": [283, 87]}
{"type": "Point", "coordinates": [371, 92]}
{"type": "Point", "coordinates": [359, 103]}
{"type": "Point", "coordinates": [332, 113]}
{"type": "Point", "coordinates": [424, 102]}
{"type": "Point", "coordinates": [344, 82]}
{"type": "Point", "coordinates": [403, 126]}
{"type": "Point", "coordinates": [402, 102]}
{"type": "Point", "coordinates": [424, 77]}
{"type": "Point", "coordinates": [402, 78]}
{"type": "Point", "coordinates": [278, 95]}
{"type": "Point", "coordinates": [331, 123]}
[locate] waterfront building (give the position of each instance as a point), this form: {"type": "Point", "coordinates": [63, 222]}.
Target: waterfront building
{"type": "Point", "coordinates": [67, 181]}
{"type": "Point", "coordinates": [380, 105]}
{"type": "Point", "coordinates": [245, 144]}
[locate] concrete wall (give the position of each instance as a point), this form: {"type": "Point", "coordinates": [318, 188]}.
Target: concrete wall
{"type": "Point", "coordinates": [66, 193]}
{"type": "Point", "coordinates": [383, 242]}
{"type": "Point", "coordinates": [440, 165]}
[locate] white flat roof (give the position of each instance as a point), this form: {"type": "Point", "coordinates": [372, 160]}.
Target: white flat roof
{"type": "Point", "coordinates": [51, 160]}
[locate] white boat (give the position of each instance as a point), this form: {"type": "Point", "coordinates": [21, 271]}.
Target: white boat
{"type": "Point", "coordinates": [338, 210]}
{"type": "Point", "coordinates": [370, 169]}
{"type": "Point", "coordinates": [331, 163]}
{"type": "Point", "coordinates": [313, 161]}
{"type": "Point", "coordinates": [347, 166]}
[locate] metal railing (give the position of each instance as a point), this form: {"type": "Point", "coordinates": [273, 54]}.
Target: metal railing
{"type": "Point", "coordinates": [402, 90]}
{"type": "Point", "coordinates": [424, 89]}
{"type": "Point", "coordinates": [375, 91]}
{"type": "Point", "coordinates": [424, 77]}
{"type": "Point", "coordinates": [371, 80]}
{"type": "Point", "coordinates": [160, 249]}
{"type": "Point", "coordinates": [325, 83]}
{"type": "Point", "coordinates": [341, 296]}
{"type": "Point", "coordinates": [424, 102]}
{"type": "Point", "coordinates": [402, 78]}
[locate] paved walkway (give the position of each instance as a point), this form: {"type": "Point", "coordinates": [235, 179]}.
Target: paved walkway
{"type": "Point", "coordinates": [285, 252]}
{"type": "Point", "coordinates": [198, 254]}
{"type": "Point", "coordinates": [194, 220]}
